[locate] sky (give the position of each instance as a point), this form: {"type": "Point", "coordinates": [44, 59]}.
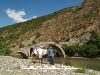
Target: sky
{"type": "Point", "coordinates": [15, 11]}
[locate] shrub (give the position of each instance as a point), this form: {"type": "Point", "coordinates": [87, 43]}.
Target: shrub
{"type": "Point", "coordinates": [21, 45]}
{"type": "Point", "coordinates": [71, 50]}
{"type": "Point", "coordinates": [38, 34]}
{"type": "Point", "coordinates": [89, 49]}
{"type": "Point", "coordinates": [92, 47]}
{"type": "Point", "coordinates": [33, 42]}
{"type": "Point", "coordinates": [4, 50]}
{"type": "Point", "coordinates": [80, 70]}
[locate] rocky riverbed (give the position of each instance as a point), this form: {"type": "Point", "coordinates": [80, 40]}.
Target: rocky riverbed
{"type": "Point", "coordinates": [14, 66]}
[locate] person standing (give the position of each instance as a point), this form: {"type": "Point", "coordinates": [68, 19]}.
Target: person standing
{"type": "Point", "coordinates": [51, 55]}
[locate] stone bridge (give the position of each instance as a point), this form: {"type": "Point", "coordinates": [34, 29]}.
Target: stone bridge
{"type": "Point", "coordinates": [25, 52]}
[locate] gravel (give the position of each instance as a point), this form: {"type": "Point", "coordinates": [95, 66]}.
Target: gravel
{"type": "Point", "coordinates": [14, 66]}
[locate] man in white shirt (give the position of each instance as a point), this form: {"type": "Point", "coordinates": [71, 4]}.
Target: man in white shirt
{"type": "Point", "coordinates": [40, 51]}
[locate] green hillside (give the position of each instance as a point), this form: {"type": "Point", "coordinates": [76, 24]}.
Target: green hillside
{"type": "Point", "coordinates": [66, 25]}
{"type": "Point", "coordinates": [12, 32]}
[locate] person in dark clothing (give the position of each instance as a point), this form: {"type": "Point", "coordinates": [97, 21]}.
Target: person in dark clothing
{"type": "Point", "coordinates": [51, 55]}
{"type": "Point", "coordinates": [31, 50]}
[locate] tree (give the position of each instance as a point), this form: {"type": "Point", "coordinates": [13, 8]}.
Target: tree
{"type": "Point", "coordinates": [92, 47]}
{"type": "Point", "coordinates": [71, 50]}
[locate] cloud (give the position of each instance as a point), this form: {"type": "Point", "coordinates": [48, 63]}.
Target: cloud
{"type": "Point", "coordinates": [34, 17]}
{"type": "Point", "coordinates": [16, 15]}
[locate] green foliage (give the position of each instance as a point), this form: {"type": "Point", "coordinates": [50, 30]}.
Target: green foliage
{"type": "Point", "coordinates": [93, 45]}
{"type": "Point", "coordinates": [33, 42]}
{"type": "Point", "coordinates": [71, 50]}
{"type": "Point", "coordinates": [4, 50]}
{"type": "Point", "coordinates": [2, 40]}
{"type": "Point", "coordinates": [80, 70]}
{"type": "Point", "coordinates": [89, 49]}
{"type": "Point", "coordinates": [94, 39]}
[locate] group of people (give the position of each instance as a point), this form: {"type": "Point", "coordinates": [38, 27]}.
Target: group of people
{"type": "Point", "coordinates": [42, 52]}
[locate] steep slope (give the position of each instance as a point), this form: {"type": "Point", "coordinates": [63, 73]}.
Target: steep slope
{"type": "Point", "coordinates": [69, 25]}
{"type": "Point", "coordinates": [75, 24]}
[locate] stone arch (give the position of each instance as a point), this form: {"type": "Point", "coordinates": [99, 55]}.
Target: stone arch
{"type": "Point", "coordinates": [59, 48]}
{"type": "Point", "coordinates": [25, 52]}
{"type": "Point", "coordinates": [24, 56]}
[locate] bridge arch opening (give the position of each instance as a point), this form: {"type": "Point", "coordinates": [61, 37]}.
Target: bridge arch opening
{"type": "Point", "coordinates": [22, 55]}
{"type": "Point", "coordinates": [57, 50]}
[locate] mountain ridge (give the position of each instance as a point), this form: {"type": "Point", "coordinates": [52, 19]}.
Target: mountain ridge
{"type": "Point", "coordinates": [71, 25]}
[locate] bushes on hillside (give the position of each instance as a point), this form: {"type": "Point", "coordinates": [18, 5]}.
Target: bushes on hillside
{"type": "Point", "coordinates": [92, 47]}
{"type": "Point", "coordinates": [38, 34]}
{"type": "Point", "coordinates": [4, 50]}
{"type": "Point", "coordinates": [71, 50]}
{"type": "Point", "coordinates": [33, 42]}
{"type": "Point", "coordinates": [21, 45]}
{"type": "Point", "coordinates": [89, 49]}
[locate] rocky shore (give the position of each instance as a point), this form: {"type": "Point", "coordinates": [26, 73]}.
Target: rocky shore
{"type": "Point", "coordinates": [14, 66]}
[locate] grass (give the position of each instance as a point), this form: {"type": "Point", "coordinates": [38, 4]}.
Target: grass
{"type": "Point", "coordinates": [80, 70]}
{"type": "Point", "coordinates": [93, 73]}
